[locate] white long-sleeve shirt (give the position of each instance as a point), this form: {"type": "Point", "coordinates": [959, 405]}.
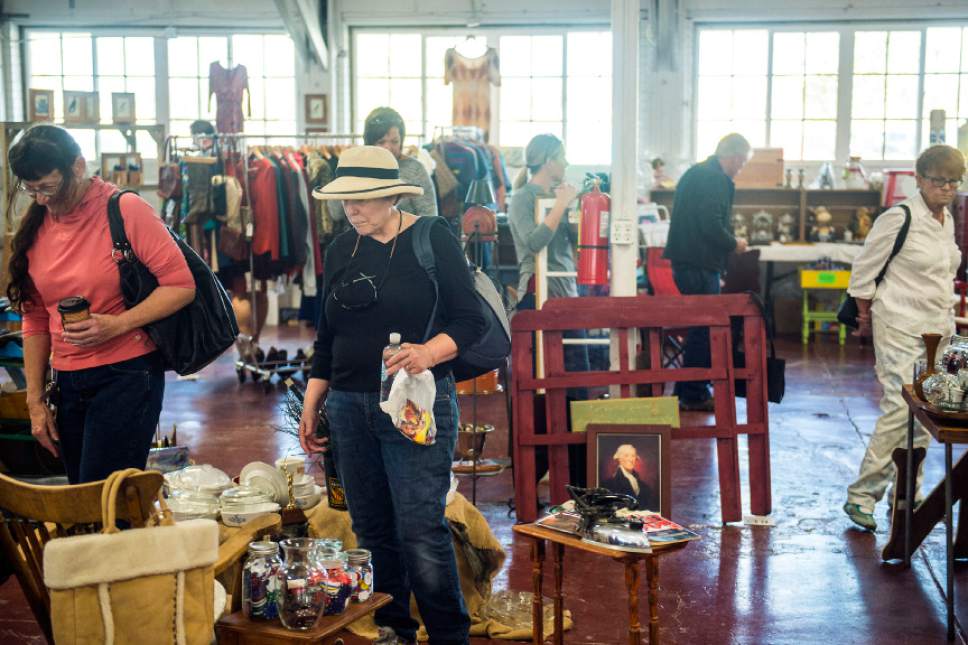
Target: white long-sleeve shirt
{"type": "Point", "coordinates": [916, 293]}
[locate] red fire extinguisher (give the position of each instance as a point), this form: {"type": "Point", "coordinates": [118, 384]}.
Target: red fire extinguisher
{"type": "Point", "coordinates": [593, 237]}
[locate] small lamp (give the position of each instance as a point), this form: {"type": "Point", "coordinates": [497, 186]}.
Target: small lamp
{"type": "Point", "coordinates": [479, 223]}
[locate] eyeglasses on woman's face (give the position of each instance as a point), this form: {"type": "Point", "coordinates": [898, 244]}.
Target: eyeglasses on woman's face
{"type": "Point", "coordinates": [47, 186]}
{"type": "Point", "coordinates": [943, 182]}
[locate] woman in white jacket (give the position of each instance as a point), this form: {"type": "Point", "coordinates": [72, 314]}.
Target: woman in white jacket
{"type": "Point", "coordinates": [914, 297]}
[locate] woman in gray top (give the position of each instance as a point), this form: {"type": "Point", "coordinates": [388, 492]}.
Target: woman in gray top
{"type": "Point", "coordinates": [384, 127]}
{"type": "Point", "coordinates": [545, 160]}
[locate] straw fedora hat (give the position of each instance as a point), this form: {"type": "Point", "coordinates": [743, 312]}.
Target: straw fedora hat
{"type": "Point", "coordinates": [366, 172]}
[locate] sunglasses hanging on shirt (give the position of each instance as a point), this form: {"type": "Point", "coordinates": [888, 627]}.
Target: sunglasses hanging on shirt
{"type": "Point", "coordinates": [357, 291]}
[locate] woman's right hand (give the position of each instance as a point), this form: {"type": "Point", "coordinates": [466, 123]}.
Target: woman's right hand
{"type": "Point", "coordinates": [863, 324]}
{"type": "Point", "coordinates": [312, 401]}
{"type": "Point", "coordinates": [43, 425]}
{"type": "Point", "coordinates": [565, 194]}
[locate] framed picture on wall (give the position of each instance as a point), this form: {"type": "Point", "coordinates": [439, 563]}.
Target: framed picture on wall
{"type": "Point", "coordinates": [80, 107]}
{"type": "Point", "coordinates": [40, 105]}
{"type": "Point", "coordinates": [122, 107]}
{"type": "Point", "coordinates": [317, 109]}
{"type": "Point", "coordinates": [631, 460]}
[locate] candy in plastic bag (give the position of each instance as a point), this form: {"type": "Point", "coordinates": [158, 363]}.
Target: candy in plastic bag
{"type": "Point", "coordinates": [411, 406]}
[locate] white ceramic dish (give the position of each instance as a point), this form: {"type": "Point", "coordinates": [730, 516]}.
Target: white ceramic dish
{"type": "Point", "coordinates": [238, 518]}
{"type": "Point", "coordinates": [267, 479]}
{"type": "Point", "coordinates": [204, 478]}
{"type": "Point", "coordinates": [309, 501]}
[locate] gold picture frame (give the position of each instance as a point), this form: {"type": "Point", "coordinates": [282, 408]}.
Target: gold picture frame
{"type": "Point", "coordinates": [81, 107]}
{"type": "Point", "coordinates": [317, 109]}
{"type": "Point", "coordinates": [40, 105]}
{"type": "Point", "coordinates": [122, 108]}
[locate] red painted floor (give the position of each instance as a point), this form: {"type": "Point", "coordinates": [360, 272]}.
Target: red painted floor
{"type": "Point", "coordinates": [809, 579]}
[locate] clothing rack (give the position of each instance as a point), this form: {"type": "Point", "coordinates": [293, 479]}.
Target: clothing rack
{"type": "Point", "coordinates": [469, 132]}
{"type": "Point", "coordinates": [284, 368]}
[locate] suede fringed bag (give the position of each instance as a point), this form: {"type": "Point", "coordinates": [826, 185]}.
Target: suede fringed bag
{"type": "Point", "coordinates": [152, 585]}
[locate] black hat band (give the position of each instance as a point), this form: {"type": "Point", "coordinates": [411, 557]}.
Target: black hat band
{"type": "Point", "coordinates": [368, 173]}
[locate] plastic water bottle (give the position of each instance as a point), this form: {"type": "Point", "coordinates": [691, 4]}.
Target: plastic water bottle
{"type": "Point", "coordinates": [387, 382]}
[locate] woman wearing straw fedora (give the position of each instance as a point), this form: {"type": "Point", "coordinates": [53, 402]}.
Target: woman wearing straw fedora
{"type": "Point", "coordinates": [395, 489]}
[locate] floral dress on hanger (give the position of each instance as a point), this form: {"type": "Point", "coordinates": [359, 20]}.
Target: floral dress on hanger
{"type": "Point", "coordinates": [472, 79]}
{"type": "Point", "coordinates": [228, 85]}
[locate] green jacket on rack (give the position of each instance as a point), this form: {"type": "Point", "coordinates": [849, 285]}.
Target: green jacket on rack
{"type": "Point", "coordinates": [700, 230]}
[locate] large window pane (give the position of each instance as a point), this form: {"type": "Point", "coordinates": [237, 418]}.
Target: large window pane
{"type": "Point", "coordinates": [823, 53]}
{"type": "Point", "coordinates": [749, 97]}
{"type": "Point", "coordinates": [867, 139]}
{"type": "Point", "coordinates": [248, 50]}
{"type": "Point", "coordinates": [819, 140]}
{"type": "Point", "coordinates": [901, 98]}
{"type": "Point", "coordinates": [211, 49]}
{"type": "Point", "coordinates": [406, 58]}
{"type": "Point", "coordinates": [139, 56]}
{"type": "Point", "coordinates": [904, 52]}
{"type": "Point", "coordinates": [942, 51]}
{"type": "Point", "coordinates": [788, 53]}
{"type": "Point", "coordinates": [44, 51]}
{"type": "Point", "coordinates": [820, 97]}
{"type": "Point", "coordinates": [110, 56]}
{"type": "Point", "coordinates": [77, 55]}
{"type": "Point", "coordinates": [868, 97]}
{"type": "Point", "coordinates": [516, 56]}
{"type": "Point", "coordinates": [789, 136]}
{"type": "Point", "coordinates": [183, 56]}
{"type": "Point", "coordinates": [870, 52]}
{"type": "Point", "coordinates": [787, 101]}
{"type": "Point", "coordinates": [900, 140]}
{"type": "Point", "coordinates": [715, 52]}
{"type": "Point", "coordinates": [183, 98]}
{"type": "Point", "coordinates": [372, 55]}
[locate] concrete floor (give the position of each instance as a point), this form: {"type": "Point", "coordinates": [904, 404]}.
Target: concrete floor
{"type": "Point", "coordinates": [811, 578]}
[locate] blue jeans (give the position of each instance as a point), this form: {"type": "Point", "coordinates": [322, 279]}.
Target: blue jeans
{"type": "Point", "coordinates": [107, 415]}
{"type": "Point", "coordinates": [396, 491]}
{"type": "Point", "coordinates": [694, 281]}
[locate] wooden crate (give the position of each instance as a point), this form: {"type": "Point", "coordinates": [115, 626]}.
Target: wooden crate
{"type": "Point", "coordinates": [764, 170]}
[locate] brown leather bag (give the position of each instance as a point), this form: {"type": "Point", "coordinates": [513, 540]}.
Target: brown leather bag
{"type": "Point", "coordinates": [169, 174]}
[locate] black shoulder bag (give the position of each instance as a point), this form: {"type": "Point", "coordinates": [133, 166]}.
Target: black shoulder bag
{"type": "Point", "coordinates": [196, 334]}
{"type": "Point", "coordinates": [775, 367]}
{"type": "Point", "coordinates": [847, 313]}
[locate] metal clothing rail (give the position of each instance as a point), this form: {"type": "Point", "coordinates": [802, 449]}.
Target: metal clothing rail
{"type": "Point", "coordinates": [280, 368]}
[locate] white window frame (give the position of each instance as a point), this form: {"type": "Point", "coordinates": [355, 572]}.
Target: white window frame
{"type": "Point", "coordinates": [844, 81]}
{"type": "Point", "coordinates": [492, 37]}
{"type": "Point", "coordinates": [161, 62]}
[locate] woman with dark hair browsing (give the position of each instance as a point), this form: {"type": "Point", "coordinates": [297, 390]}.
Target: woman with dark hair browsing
{"type": "Point", "coordinates": [109, 378]}
{"type": "Point", "coordinates": [384, 127]}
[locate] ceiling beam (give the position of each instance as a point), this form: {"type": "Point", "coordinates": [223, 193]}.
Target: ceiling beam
{"type": "Point", "coordinates": [306, 22]}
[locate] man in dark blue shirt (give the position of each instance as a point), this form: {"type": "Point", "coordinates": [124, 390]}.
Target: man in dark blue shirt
{"type": "Point", "coordinates": [700, 241]}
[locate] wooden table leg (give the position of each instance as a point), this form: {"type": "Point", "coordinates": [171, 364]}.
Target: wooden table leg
{"type": "Point", "coordinates": [632, 586]}
{"type": "Point", "coordinates": [652, 577]}
{"type": "Point", "coordinates": [559, 558]}
{"type": "Point", "coordinates": [537, 611]}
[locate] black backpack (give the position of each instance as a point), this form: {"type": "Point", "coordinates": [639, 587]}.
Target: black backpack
{"type": "Point", "coordinates": [492, 349]}
{"type": "Point", "coordinates": [196, 334]}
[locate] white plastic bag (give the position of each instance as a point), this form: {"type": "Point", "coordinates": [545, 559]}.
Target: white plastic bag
{"type": "Point", "coordinates": [411, 406]}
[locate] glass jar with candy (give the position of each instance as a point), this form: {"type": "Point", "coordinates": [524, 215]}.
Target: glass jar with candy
{"type": "Point", "coordinates": [260, 581]}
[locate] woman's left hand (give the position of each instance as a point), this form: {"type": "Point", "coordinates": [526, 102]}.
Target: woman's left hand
{"type": "Point", "coordinates": [97, 329]}
{"type": "Point", "coordinates": [412, 357]}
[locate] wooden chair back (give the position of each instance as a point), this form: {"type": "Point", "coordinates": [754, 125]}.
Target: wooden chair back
{"type": "Point", "coordinates": [31, 516]}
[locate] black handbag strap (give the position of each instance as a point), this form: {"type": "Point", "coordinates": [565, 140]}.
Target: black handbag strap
{"type": "Point", "coordinates": [898, 243]}
{"type": "Point", "coordinates": [121, 247]}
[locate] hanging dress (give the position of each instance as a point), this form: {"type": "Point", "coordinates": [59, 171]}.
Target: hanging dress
{"type": "Point", "coordinates": [472, 79]}
{"type": "Point", "coordinates": [228, 85]}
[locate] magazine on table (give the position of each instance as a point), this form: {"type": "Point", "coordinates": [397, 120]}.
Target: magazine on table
{"type": "Point", "coordinates": [562, 521]}
{"type": "Point", "coordinates": [658, 528]}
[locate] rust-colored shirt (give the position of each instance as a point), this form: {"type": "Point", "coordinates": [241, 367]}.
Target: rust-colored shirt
{"type": "Point", "coordinates": [71, 256]}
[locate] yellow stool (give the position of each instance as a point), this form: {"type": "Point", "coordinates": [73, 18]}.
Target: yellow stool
{"type": "Point", "coordinates": [813, 279]}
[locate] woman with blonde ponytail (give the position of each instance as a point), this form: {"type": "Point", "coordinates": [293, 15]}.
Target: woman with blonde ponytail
{"type": "Point", "coordinates": [543, 178]}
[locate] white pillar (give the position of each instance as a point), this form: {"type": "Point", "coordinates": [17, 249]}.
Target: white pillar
{"type": "Point", "coordinates": [625, 97]}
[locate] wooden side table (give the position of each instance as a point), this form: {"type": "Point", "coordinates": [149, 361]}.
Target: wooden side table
{"type": "Point", "coordinates": [948, 433]}
{"type": "Point", "coordinates": [539, 535]}
{"type": "Point", "coordinates": [236, 629]}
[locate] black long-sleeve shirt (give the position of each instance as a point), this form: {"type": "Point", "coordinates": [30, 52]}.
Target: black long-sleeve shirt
{"type": "Point", "coordinates": [701, 229]}
{"type": "Point", "coordinates": [349, 344]}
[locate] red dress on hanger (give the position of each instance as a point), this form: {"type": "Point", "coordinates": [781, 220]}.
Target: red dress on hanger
{"type": "Point", "coordinates": [228, 85]}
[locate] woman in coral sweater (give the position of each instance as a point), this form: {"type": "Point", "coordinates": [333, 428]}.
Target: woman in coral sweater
{"type": "Point", "coordinates": [109, 377]}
